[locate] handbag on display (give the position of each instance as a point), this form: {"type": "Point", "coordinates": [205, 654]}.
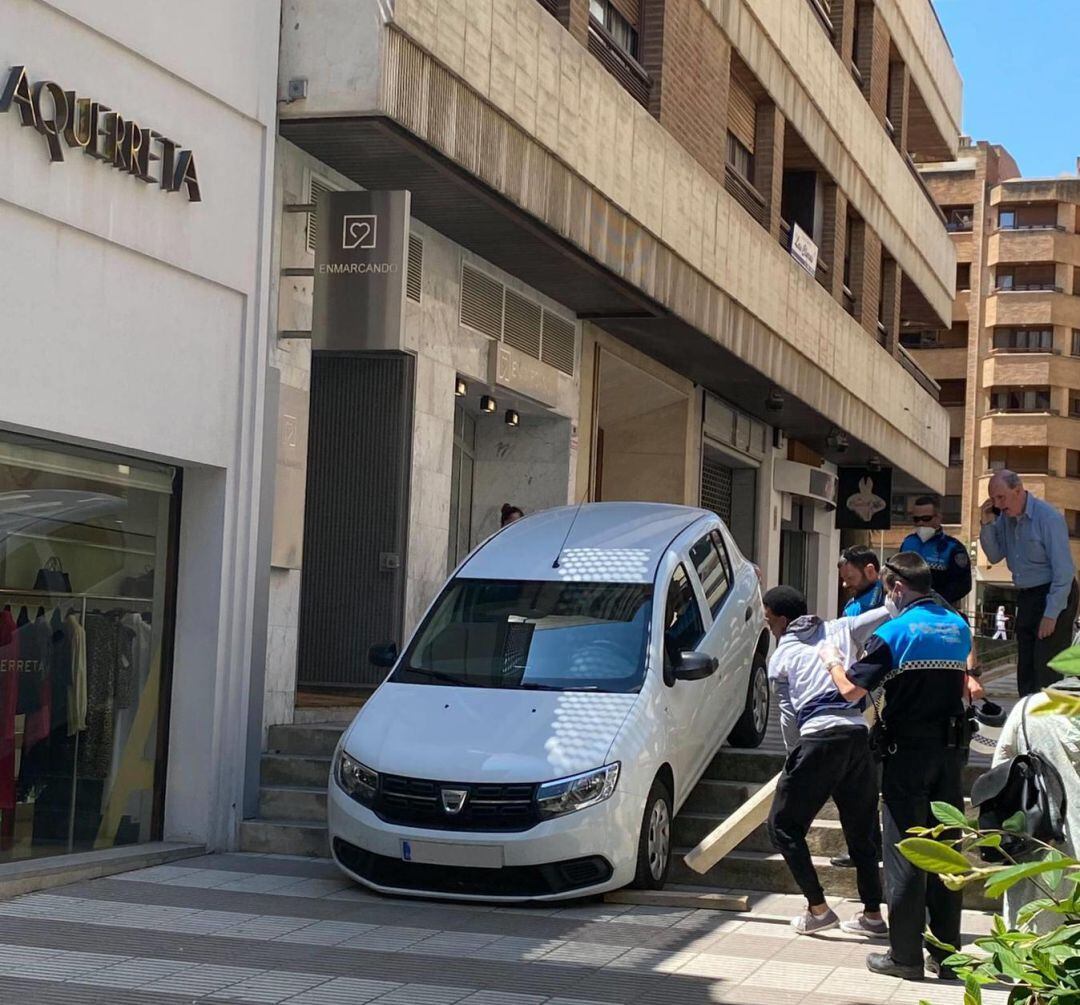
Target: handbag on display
{"type": "Point", "coordinates": [51, 578]}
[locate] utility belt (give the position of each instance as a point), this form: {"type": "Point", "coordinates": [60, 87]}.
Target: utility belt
{"type": "Point", "coordinates": [953, 733]}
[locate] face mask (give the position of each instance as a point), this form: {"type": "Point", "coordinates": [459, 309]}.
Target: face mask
{"type": "Point", "coordinates": [925, 533]}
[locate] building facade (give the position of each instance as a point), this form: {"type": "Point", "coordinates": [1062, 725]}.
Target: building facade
{"type": "Point", "coordinates": [1009, 366]}
{"type": "Point", "coordinates": [136, 167]}
{"type": "Point", "coordinates": [697, 229]}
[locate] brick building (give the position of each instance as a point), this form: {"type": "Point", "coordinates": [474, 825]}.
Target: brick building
{"type": "Point", "coordinates": [1009, 365]}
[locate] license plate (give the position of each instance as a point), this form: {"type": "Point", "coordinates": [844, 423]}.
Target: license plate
{"type": "Point", "coordinates": [480, 856]}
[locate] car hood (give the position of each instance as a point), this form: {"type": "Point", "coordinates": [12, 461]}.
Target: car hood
{"type": "Point", "coordinates": [485, 734]}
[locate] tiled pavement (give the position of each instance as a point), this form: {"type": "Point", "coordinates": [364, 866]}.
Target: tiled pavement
{"type": "Point", "coordinates": [249, 928]}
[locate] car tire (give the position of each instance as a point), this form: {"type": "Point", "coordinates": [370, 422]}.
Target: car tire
{"type": "Point", "coordinates": [654, 842]}
{"type": "Point", "coordinates": [753, 724]}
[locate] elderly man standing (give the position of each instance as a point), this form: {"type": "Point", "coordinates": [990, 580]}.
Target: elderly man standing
{"type": "Point", "coordinates": [1033, 538]}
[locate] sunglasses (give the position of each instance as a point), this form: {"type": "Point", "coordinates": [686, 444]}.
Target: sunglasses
{"type": "Point", "coordinates": [923, 519]}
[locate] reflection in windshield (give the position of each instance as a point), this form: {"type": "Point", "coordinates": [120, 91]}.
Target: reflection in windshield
{"type": "Point", "coordinates": [533, 635]}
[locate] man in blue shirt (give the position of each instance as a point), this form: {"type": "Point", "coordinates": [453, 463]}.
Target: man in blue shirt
{"type": "Point", "coordinates": [1033, 538]}
{"type": "Point", "coordinates": [949, 562]}
{"type": "Point", "coordinates": [859, 567]}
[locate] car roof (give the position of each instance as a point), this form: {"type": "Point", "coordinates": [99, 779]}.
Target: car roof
{"type": "Point", "coordinates": [609, 542]}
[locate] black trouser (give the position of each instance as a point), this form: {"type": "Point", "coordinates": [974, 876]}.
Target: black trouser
{"type": "Point", "coordinates": [916, 775]}
{"type": "Point", "coordinates": [1032, 673]}
{"type": "Point", "coordinates": [834, 763]}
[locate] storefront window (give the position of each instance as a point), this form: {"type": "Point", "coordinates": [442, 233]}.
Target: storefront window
{"type": "Point", "coordinates": [85, 560]}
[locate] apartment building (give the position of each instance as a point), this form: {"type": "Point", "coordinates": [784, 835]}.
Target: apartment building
{"type": "Point", "coordinates": [1009, 365]}
{"type": "Point", "coordinates": [699, 228]}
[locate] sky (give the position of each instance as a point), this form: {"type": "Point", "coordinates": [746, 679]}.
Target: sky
{"type": "Point", "coordinates": [1018, 62]}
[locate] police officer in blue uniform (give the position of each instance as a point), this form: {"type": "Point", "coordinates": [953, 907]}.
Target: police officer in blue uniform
{"type": "Point", "coordinates": [948, 559]}
{"type": "Point", "coordinates": [859, 571]}
{"type": "Point", "coordinates": [920, 658]}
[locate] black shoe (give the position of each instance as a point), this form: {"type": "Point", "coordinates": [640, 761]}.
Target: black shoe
{"type": "Point", "coordinates": [883, 963]}
{"type": "Point", "coordinates": [942, 973]}
{"type": "Point", "coordinates": [842, 862]}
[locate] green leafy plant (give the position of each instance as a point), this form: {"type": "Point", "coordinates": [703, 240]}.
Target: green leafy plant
{"type": "Point", "coordinates": [1037, 968]}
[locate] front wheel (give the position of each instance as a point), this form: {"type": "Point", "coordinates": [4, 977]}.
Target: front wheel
{"type": "Point", "coordinates": [654, 843]}
{"type": "Point", "coordinates": [750, 730]}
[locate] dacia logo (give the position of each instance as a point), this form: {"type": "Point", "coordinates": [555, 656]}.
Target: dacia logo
{"type": "Point", "coordinates": [453, 800]}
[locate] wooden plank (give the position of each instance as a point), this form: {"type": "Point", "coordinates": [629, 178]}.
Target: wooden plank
{"type": "Point", "coordinates": [734, 830]}
{"type": "Point", "coordinates": [705, 900]}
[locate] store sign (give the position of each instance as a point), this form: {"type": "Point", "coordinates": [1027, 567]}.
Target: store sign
{"type": "Point", "coordinates": [360, 256]}
{"type": "Point", "coordinates": [803, 249]}
{"type": "Point", "coordinates": [864, 496]}
{"type": "Point", "coordinates": [63, 118]}
{"type": "Point", "coordinates": [518, 371]}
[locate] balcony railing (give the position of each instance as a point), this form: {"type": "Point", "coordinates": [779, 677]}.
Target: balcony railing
{"type": "Point", "coordinates": [619, 63]}
{"type": "Point", "coordinates": [1022, 351]}
{"type": "Point", "coordinates": [1023, 411]}
{"type": "Point", "coordinates": [924, 380]}
{"type": "Point", "coordinates": [1029, 288]}
{"type": "Point", "coordinates": [744, 193]}
{"type": "Point", "coordinates": [822, 13]}
{"type": "Point", "coordinates": [922, 184]}
{"type": "Point", "coordinates": [1032, 226]}
{"type": "Point", "coordinates": [1024, 470]}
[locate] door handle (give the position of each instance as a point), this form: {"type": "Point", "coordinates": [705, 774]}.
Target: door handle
{"type": "Point", "coordinates": [749, 614]}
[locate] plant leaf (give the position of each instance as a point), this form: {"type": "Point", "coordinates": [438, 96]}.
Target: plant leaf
{"type": "Point", "coordinates": [931, 939]}
{"type": "Point", "coordinates": [989, 841]}
{"type": "Point", "coordinates": [1015, 823]}
{"type": "Point", "coordinates": [948, 814]}
{"type": "Point", "coordinates": [1067, 662]}
{"type": "Point", "coordinates": [1055, 876]}
{"type": "Point", "coordinates": [1066, 934]}
{"type": "Point", "coordinates": [972, 991]}
{"type": "Point", "coordinates": [1035, 908]}
{"type": "Point", "coordinates": [1059, 703]}
{"type": "Point", "coordinates": [1007, 878]}
{"type": "Point", "coordinates": [934, 856]}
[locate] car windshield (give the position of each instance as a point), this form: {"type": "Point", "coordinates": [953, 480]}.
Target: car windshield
{"type": "Point", "coordinates": [533, 636]}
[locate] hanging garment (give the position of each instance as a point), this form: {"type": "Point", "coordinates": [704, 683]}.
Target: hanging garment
{"type": "Point", "coordinates": [104, 649]}
{"type": "Point", "coordinates": [77, 688]}
{"type": "Point", "coordinates": [9, 694]}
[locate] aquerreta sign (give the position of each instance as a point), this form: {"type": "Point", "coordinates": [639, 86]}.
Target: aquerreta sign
{"type": "Point", "coordinates": [63, 117]}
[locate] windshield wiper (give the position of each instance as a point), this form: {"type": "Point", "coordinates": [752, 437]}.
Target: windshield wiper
{"type": "Point", "coordinates": [444, 678]}
{"type": "Point", "coordinates": [532, 686]}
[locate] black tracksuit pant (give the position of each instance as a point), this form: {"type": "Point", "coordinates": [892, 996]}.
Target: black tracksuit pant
{"type": "Point", "coordinates": [836, 763]}
{"type": "Point", "coordinates": [916, 775]}
{"type": "Point", "coordinates": [1033, 653]}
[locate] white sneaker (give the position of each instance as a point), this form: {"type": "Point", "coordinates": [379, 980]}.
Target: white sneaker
{"type": "Point", "coordinates": [862, 925]}
{"type": "Point", "coordinates": [809, 923]}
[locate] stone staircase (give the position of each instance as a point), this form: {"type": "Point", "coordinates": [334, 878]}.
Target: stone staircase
{"type": "Point", "coordinates": [296, 768]}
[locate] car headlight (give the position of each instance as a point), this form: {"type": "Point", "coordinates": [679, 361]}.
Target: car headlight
{"type": "Point", "coordinates": [357, 779]}
{"type": "Point", "coordinates": [565, 795]}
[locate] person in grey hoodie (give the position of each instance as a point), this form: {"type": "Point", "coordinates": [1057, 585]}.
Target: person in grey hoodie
{"type": "Point", "coordinates": [828, 756]}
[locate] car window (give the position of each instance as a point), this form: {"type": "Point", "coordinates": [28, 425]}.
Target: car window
{"type": "Point", "coordinates": [683, 626]}
{"type": "Point", "coordinates": [712, 566]}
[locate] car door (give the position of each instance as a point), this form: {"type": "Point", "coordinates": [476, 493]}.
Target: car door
{"type": "Point", "coordinates": [684, 701]}
{"type": "Point", "coordinates": [745, 619]}
{"type": "Point", "coordinates": [723, 638]}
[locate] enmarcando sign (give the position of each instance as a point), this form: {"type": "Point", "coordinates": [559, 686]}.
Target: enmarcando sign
{"type": "Point", "coordinates": [62, 117]}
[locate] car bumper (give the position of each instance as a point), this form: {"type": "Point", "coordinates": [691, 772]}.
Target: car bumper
{"type": "Point", "coordinates": [578, 855]}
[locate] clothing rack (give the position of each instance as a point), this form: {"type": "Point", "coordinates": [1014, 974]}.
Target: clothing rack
{"type": "Point", "coordinates": [83, 597]}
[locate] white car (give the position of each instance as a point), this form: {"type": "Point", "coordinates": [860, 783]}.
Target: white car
{"type": "Point", "coordinates": [557, 704]}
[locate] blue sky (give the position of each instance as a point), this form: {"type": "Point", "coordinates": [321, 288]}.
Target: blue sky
{"type": "Point", "coordinates": [1021, 87]}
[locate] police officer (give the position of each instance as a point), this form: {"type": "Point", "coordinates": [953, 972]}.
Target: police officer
{"type": "Point", "coordinates": [860, 569]}
{"type": "Point", "coordinates": [948, 559]}
{"type": "Point", "coordinates": [920, 657]}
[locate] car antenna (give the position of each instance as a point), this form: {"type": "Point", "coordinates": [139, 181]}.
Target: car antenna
{"type": "Point", "coordinates": [555, 564]}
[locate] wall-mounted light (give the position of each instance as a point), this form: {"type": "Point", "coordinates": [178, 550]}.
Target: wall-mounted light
{"type": "Point", "coordinates": [488, 403]}
{"type": "Point", "coordinates": [460, 388]}
{"type": "Point", "coordinates": [512, 418]}
{"type": "Point", "coordinates": [774, 402]}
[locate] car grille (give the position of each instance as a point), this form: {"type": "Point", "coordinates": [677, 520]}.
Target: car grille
{"type": "Point", "coordinates": [511, 881]}
{"type": "Point", "coordinates": [418, 802]}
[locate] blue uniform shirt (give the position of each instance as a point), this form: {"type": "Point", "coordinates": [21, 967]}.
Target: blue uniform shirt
{"type": "Point", "coordinates": [871, 597]}
{"type": "Point", "coordinates": [949, 562]}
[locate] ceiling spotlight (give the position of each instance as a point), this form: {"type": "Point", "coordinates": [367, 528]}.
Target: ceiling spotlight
{"type": "Point", "coordinates": [488, 403]}
{"type": "Point", "coordinates": [512, 418]}
{"type": "Point", "coordinates": [775, 401]}
{"type": "Point", "coordinates": [460, 388]}
{"type": "Point", "coordinates": [837, 441]}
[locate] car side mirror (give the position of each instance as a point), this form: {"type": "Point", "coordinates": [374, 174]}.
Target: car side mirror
{"type": "Point", "coordinates": [384, 655]}
{"type": "Point", "coordinates": [695, 666]}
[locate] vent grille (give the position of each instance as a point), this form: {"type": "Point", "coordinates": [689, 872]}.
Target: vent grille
{"type": "Point", "coordinates": [716, 488]}
{"type": "Point", "coordinates": [317, 188]}
{"type": "Point", "coordinates": [481, 302]}
{"type": "Point", "coordinates": [414, 280]}
{"type": "Point", "coordinates": [558, 343]}
{"type": "Point", "coordinates": [521, 325]}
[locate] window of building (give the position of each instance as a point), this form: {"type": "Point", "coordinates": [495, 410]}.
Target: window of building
{"type": "Point", "coordinates": [1076, 341]}
{"type": "Point", "coordinates": [1036, 217]}
{"type": "Point", "coordinates": [1025, 277]}
{"type": "Point", "coordinates": [963, 275]}
{"type": "Point", "coordinates": [953, 392]}
{"type": "Point", "coordinates": [920, 339]}
{"type": "Point", "coordinates": [1020, 399]}
{"type": "Point", "coordinates": [1072, 463]}
{"type": "Point", "coordinates": [1074, 404]}
{"type": "Point", "coordinates": [87, 554]}
{"type": "Point", "coordinates": [956, 451]}
{"type": "Point", "coordinates": [1072, 519]}
{"type": "Point", "coordinates": [950, 509]}
{"type": "Point", "coordinates": [683, 625]}
{"type": "Point", "coordinates": [1024, 339]}
{"type": "Point", "coordinates": [622, 32]}
{"type": "Point", "coordinates": [1026, 460]}
{"type": "Point", "coordinates": [849, 240]}
{"type": "Point", "coordinates": [1006, 218]}
{"type": "Point", "coordinates": [710, 560]}
{"type": "Point", "coordinates": [958, 218]}
{"type": "Point", "coordinates": [739, 158]}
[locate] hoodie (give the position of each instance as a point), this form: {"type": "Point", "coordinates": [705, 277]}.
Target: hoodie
{"type": "Point", "coordinates": [808, 699]}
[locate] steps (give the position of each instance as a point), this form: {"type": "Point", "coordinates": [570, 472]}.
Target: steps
{"type": "Point", "coordinates": [294, 772]}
